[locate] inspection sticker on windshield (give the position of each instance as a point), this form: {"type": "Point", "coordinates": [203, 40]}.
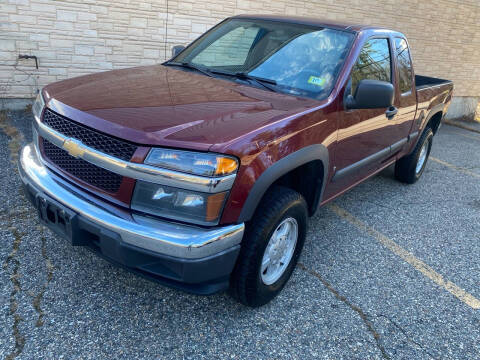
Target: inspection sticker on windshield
{"type": "Point", "coordinates": [315, 80]}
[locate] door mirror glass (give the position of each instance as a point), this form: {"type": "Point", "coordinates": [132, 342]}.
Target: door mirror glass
{"type": "Point", "coordinates": [177, 49]}
{"type": "Point", "coordinates": [371, 94]}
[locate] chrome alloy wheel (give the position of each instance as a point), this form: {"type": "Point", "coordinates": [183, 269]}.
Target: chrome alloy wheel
{"type": "Point", "coordinates": [422, 158]}
{"type": "Point", "coordinates": [279, 251]}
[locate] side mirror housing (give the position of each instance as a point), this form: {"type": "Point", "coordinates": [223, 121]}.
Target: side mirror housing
{"type": "Point", "coordinates": [371, 94]}
{"type": "Point", "coordinates": [177, 49]}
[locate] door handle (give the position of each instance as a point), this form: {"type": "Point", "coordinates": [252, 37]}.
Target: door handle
{"type": "Point", "coordinates": [391, 112]}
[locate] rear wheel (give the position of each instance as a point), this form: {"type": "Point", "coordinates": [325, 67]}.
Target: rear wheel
{"type": "Point", "coordinates": [271, 247]}
{"type": "Point", "coordinates": [410, 168]}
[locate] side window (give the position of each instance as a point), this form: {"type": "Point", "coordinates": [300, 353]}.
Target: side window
{"type": "Point", "coordinates": [404, 65]}
{"type": "Point", "coordinates": [373, 63]}
{"type": "Point", "coordinates": [222, 52]}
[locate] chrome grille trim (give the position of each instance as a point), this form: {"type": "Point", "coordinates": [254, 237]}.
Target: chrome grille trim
{"type": "Point", "coordinates": [89, 137]}
{"type": "Point", "coordinates": [138, 171]}
{"type": "Point", "coordinates": [93, 175]}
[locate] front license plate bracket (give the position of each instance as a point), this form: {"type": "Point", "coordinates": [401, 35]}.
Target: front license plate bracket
{"type": "Point", "coordinates": [58, 218]}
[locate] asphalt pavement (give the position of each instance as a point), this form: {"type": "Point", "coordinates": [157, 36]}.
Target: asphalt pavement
{"type": "Point", "coordinates": [389, 271]}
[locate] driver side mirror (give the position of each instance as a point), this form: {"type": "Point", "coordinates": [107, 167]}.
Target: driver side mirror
{"type": "Point", "coordinates": [371, 94]}
{"type": "Point", "coordinates": [177, 49]}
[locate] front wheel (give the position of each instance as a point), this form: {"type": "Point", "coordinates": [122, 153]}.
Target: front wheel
{"type": "Point", "coordinates": [409, 168]}
{"type": "Point", "coordinates": [271, 247]}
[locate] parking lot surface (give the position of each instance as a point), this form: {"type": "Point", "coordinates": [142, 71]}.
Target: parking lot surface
{"type": "Point", "coordinates": [389, 271]}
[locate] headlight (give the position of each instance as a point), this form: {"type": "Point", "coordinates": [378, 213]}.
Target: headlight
{"type": "Point", "coordinates": [38, 105]}
{"type": "Point", "coordinates": [203, 164]}
{"type": "Point", "coordinates": [178, 204]}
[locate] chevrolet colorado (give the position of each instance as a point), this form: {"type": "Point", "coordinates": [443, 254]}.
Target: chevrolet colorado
{"type": "Point", "coordinates": [201, 172]}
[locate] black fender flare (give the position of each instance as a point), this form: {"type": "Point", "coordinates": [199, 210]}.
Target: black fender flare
{"type": "Point", "coordinates": [282, 167]}
{"type": "Point", "coordinates": [431, 113]}
{"type": "Point", "coordinates": [425, 120]}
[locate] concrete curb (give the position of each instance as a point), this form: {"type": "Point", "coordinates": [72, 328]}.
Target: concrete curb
{"type": "Point", "coordinates": [470, 126]}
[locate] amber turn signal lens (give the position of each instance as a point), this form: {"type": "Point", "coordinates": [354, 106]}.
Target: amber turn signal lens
{"type": "Point", "coordinates": [225, 166]}
{"type": "Point", "coordinates": [214, 206]}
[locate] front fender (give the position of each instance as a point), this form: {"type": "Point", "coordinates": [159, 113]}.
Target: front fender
{"type": "Point", "coordinates": [282, 167]}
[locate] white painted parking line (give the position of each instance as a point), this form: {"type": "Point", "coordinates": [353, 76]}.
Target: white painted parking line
{"type": "Point", "coordinates": [408, 257]}
{"type": "Point", "coordinates": [454, 167]}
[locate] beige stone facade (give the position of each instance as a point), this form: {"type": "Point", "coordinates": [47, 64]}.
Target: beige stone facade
{"type": "Point", "coordinates": [74, 37]}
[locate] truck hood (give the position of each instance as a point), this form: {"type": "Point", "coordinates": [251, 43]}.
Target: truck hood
{"type": "Point", "coordinates": [165, 106]}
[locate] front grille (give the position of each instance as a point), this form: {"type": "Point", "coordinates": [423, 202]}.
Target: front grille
{"type": "Point", "coordinates": [81, 169]}
{"type": "Point", "coordinates": [101, 142]}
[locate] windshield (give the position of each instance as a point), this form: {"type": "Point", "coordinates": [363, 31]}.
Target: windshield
{"type": "Point", "coordinates": [299, 59]}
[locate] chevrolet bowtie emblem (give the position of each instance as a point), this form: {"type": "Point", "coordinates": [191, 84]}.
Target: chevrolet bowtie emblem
{"type": "Point", "coordinates": [73, 147]}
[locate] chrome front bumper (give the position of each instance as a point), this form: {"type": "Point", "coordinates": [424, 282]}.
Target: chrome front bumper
{"type": "Point", "coordinates": [161, 237]}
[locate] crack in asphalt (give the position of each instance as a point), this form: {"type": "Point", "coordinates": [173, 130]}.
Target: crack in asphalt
{"type": "Point", "coordinates": [358, 310]}
{"type": "Point", "coordinates": [8, 214]}
{"type": "Point", "coordinates": [14, 145]}
{"type": "Point", "coordinates": [14, 135]}
{"type": "Point", "coordinates": [407, 336]}
{"type": "Point", "coordinates": [15, 279]}
{"type": "Point", "coordinates": [37, 301]}
{"type": "Point", "coordinates": [367, 317]}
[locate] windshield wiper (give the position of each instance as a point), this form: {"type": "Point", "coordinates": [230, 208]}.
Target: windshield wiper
{"type": "Point", "coordinates": [189, 66]}
{"type": "Point", "coordinates": [266, 83]}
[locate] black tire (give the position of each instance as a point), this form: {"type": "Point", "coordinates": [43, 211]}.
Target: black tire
{"type": "Point", "coordinates": [405, 168]}
{"type": "Point", "coordinates": [246, 283]}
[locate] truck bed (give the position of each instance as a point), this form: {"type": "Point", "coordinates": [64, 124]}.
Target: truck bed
{"type": "Point", "coordinates": [432, 93]}
{"type": "Point", "coordinates": [422, 82]}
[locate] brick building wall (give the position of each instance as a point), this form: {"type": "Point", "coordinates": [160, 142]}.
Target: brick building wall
{"type": "Point", "coordinates": [75, 37]}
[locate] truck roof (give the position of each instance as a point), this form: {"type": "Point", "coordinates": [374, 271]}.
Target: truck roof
{"type": "Point", "coordinates": [313, 21]}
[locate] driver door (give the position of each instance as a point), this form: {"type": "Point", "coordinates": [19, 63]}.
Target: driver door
{"type": "Point", "coordinates": [364, 135]}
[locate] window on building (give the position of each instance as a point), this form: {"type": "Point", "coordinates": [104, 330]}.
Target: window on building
{"type": "Point", "coordinates": [404, 65]}
{"type": "Point", "coordinates": [374, 63]}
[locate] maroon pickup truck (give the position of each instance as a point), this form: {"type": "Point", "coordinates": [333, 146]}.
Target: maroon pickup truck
{"type": "Point", "coordinates": [201, 172]}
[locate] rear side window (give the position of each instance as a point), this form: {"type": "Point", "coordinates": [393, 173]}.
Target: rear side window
{"type": "Point", "coordinates": [374, 63]}
{"type": "Point", "coordinates": [404, 65]}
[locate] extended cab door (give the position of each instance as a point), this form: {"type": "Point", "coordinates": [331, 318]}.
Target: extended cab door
{"type": "Point", "coordinates": [365, 135]}
{"type": "Point", "coordinates": [406, 99]}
